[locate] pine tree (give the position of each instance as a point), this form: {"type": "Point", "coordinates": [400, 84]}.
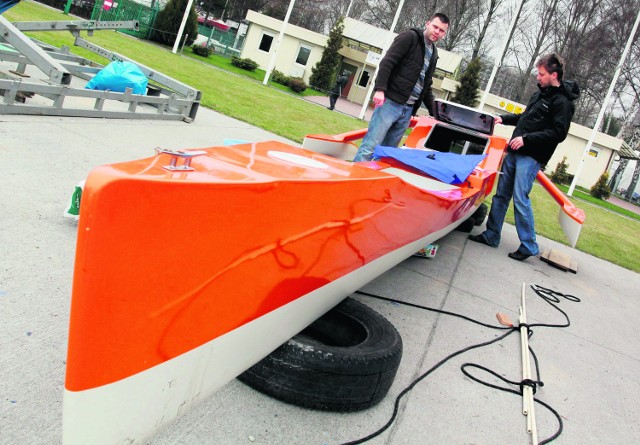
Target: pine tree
{"type": "Point", "coordinates": [600, 189]}
{"type": "Point", "coordinates": [467, 91]}
{"type": "Point", "coordinates": [323, 75]}
{"type": "Point", "coordinates": [560, 174]}
{"type": "Point", "coordinates": [168, 23]}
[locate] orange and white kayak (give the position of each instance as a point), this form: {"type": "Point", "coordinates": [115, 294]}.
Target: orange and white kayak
{"type": "Point", "coordinates": [191, 266]}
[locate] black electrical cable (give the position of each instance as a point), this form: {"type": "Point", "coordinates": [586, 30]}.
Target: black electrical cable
{"type": "Point", "coordinates": [550, 296]}
{"type": "Point", "coordinates": [521, 384]}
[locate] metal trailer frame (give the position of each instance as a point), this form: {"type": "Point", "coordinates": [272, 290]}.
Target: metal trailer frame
{"type": "Point", "coordinates": [166, 97]}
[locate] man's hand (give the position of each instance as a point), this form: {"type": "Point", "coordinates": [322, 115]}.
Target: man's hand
{"type": "Point", "coordinates": [378, 99]}
{"type": "Point", "coordinates": [497, 120]}
{"type": "Point", "coordinates": [516, 143]}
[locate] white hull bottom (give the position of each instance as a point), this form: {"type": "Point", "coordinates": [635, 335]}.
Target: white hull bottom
{"type": "Point", "coordinates": [133, 409]}
{"type": "Point", "coordinates": [570, 227]}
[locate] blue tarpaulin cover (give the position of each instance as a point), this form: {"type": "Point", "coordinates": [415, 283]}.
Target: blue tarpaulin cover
{"type": "Point", "coordinates": [117, 76]}
{"type": "Point", "coordinates": [6, 4]}
{"type": "Point", "coordinates": [451, 168]}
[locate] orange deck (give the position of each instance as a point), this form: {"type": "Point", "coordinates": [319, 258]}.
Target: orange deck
{"type": "Point", "coordinates": [167, 261]}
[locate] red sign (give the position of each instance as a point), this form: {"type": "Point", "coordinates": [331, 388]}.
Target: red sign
{"type": "Point", "coordinates": [107, 4]}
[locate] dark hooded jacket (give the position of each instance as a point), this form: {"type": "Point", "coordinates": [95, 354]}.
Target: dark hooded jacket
{"type": "Point", "coordinates": [400, 68]}
{"type": "Point", "coordinates": [546, 120]}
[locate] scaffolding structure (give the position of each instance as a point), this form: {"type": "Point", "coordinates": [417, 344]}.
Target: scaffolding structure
{"type": "Point", "coordinates": [48, 81]}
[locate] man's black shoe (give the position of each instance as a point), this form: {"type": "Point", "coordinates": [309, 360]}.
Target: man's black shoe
{"type": "Point", "coordinates": [518, 256]}
{"type": "Point", "coordinates": [480, 239]}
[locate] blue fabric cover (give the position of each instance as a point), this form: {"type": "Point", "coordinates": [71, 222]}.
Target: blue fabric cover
{"type": "Point", "coordinates": [450, 168]}
{"type": "Point", "coordinates": [6, 4]}
{"type": "Point", "coordinates": [117, 76]}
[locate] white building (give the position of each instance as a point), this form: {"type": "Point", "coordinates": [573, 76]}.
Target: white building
{"type": "Point", "coordinates": [301, 49]}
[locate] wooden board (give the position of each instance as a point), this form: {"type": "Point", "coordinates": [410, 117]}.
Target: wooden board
{"type": "Point", "coordinates": [560, 260]}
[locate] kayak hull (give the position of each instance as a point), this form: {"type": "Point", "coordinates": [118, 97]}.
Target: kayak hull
{"type": "Point", "coordinates": [192, 266]}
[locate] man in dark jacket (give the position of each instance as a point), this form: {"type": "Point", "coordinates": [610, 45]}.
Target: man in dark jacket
{"type": "Point", "coordinates": [539, 130]}
{"type": "Point", "coordinates": [403, 83]}
{"type": "Point", "coordinates": [336, 91]}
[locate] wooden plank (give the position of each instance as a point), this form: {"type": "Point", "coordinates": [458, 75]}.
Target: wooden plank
{"type": "Point", "coordinates": [560, 260]}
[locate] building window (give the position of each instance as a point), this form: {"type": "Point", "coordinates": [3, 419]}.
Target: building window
{"type": "Point", "coordinates": [265, 43]}
{"type": "Point", "coordinates": [303, 55]}
{"type": "Point", "coordinates": [364, 79]}
{"type": "Point", "coordinates": [440, 74]}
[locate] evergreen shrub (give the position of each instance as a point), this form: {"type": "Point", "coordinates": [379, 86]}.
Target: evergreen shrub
{"type": "Point", "coordinates": [297, 84]}
{"type": "Point", "coordinates": [245, 64]}
{"type": "Point", "coordinates": [202, 50]}
{"type": "Point", "coordinates": [279, 77]}
{"type": "Point", "coordinates": [600, 189]}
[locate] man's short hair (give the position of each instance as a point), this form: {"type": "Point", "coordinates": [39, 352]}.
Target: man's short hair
{"type": "Point", "coordinates": [440, 15]}
{"type": "Point", "coordinates": [552, 63]}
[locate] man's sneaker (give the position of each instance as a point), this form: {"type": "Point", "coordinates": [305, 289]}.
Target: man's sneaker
{"type": "Point", "coordinates": [518, 256]}
{"type": "Point", "coordinates": [480, 239]}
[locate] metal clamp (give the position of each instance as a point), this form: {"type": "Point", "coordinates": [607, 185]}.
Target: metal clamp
{"type": "Point", "coordinates": [177, 154]}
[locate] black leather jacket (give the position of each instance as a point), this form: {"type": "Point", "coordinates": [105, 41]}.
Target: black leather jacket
{"type": "Point", "coordinates": [400, 68]}
{"type": "Point", "coordinates": [546, 120]}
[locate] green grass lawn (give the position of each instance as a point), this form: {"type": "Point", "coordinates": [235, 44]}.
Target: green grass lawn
{"type": "Point", "coordinates": [224, 63]}
{"type": "Point", "coordinates": [609, 232]}
{"type": "Point", "coordinates": [233, 94]}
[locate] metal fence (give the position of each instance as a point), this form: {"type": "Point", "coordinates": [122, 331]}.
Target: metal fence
{"type": "Point", "coordinates": [226, 43]}
{"type": "Point", "coordinates": [129, 10]}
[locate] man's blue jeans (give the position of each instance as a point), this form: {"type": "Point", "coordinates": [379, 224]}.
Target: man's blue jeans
{"type": "Point", "coordinates": [516, 180]}
{"type": "Point", "coordinates": [387, 126]}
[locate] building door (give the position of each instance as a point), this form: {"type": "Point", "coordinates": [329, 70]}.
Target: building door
{"type": "Point", "coordinates": [352, 70]}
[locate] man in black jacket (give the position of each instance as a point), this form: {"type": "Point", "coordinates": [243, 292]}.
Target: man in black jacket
{"type": "Point", "coordinates": [539, 130]}
{"type": "Point", "coordinates": [336, 91]}
{"type": "Point", "coordinates": [403, 82]}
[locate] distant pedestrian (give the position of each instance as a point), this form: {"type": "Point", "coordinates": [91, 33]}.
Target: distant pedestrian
{"type": "Point", "coordinates": [543, 125]}
{"type": "Point", "coordinates": [403, 83]}
{"type": "Point", "coordinates": [336, 91]}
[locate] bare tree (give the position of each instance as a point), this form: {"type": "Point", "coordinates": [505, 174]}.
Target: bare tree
{"type": "Point", "coordinates": [505, 83]}
{"type": "Point", "coordinates": [595, 56]}
{"type": "Point", "coordinates": [589, 34]}
{"type": "Point", "coordinates": [338, 8]}
{"type": "Point", "coordinates": [459, 34]}
{"type": "Point", "coordinates": [573, 22]}
{"type": "Point", "coordinates": [380, 13]}
{"type": "Point", "coordinates": [415, 13]}
{"type": "Point", "coordinates": [485, 15]}
{"type": "Point", "coordinates": [510, 73]}
{"type": "Point", "coordinates": [535, 41]}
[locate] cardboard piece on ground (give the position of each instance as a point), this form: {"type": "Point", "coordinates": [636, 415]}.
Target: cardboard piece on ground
{"type": "Point", "coordinates": [560, 260]}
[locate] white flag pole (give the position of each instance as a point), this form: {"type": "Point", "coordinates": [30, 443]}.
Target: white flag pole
{"type": "Point", "coordinates": [181, 29]}
{"type": "Point", "coordinates": [272, 62]}
{"type": "Point", "coordinates": [365, 105]}
{"type": "Point", "coordinates": [498, 62]}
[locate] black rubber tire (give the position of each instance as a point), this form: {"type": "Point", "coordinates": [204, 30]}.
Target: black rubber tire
{"type": "Point", "coordinates": [345, 361]}
{"type": "Point", "coordinates": [480, 214]}
{"type": "Point", "coordinates": [466, 225]}
{"type": "Point", "coordinates": [475, 219]}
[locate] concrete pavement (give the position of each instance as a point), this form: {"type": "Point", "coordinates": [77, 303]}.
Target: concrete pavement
{"type": "Point", "coordinates": [342, 106]}
{"type": "Point", "coordinates": [589, 369]}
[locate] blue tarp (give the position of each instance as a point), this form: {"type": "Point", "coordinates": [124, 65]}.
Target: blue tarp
{"type": "Point", "coordinates": [6, 4]}
{"type": "Point", "coordinates": [451, 168]}
{"type": "Point", "coordinates": [117, 76]}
